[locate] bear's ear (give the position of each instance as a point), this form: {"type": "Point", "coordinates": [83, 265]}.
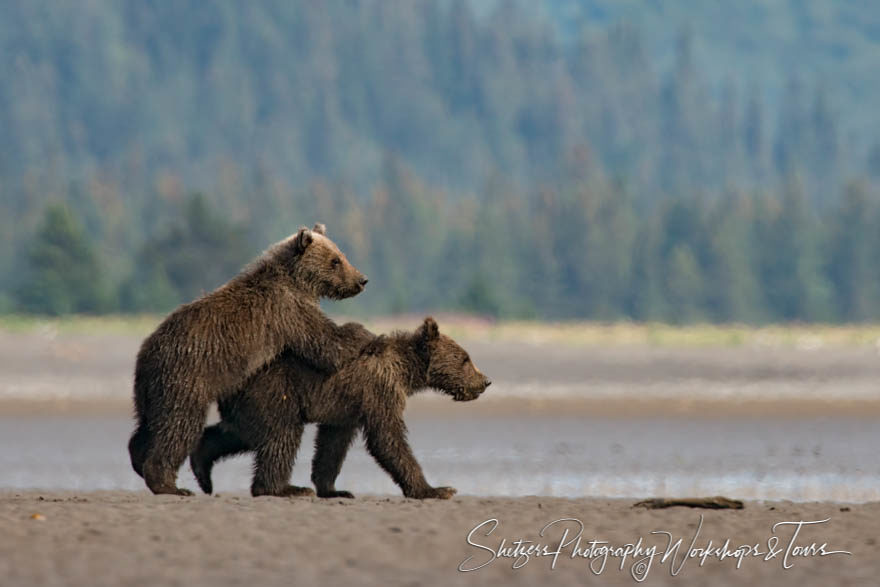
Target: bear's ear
{"type": "Point", "coordinates": [302, 239]}
{"type": "Point", "coordinates": [320, 228]}
{"type": "Point", "coordinates": [429, 329]}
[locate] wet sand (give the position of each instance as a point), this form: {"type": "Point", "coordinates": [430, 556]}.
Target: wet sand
{"type": "Point", "coordinates": [130, 538]}
{"type": "Point", "coordinates": [44, 370]}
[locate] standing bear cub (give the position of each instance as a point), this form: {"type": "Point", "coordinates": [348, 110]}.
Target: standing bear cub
{"type": "Point", "coordinates": [207, 349]}
{"type": "Point", "coordinates": [268, 414]}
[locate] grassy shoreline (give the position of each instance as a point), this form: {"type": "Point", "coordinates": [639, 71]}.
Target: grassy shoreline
{"type": "Point", "coordinates": [572, 333]}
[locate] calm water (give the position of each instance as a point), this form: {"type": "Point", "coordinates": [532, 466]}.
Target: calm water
{"type": "Point", "coordinates": [802, 460]}
{"type": "Point", "coordinates": [833, 458]}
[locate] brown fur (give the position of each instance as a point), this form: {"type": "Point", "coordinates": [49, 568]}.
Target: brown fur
{"type": "Point", "coordinates": [206, 349]}
{"type": "Point", "coordinates": [268, 414]}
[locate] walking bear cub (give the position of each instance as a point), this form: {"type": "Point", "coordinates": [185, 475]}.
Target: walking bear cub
{"type": "Point", "coordinates": [208, 348]}
{"type": "Point", "coordinates": [268, 414]}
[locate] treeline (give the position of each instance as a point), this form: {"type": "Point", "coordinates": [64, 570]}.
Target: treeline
{"type": "Point", "coordinates": [306, 90]}
{"type": "Point", "coordinates": [580, 248]}
{"type": "Point", "coordinates": [469, 155]}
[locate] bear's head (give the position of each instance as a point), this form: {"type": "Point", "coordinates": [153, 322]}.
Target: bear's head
{"type": "Point", "coordinates": [317, 263]}
{"type": "Point", "coordinates": [450, 368]}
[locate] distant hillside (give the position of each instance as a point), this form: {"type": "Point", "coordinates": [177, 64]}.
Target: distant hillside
{"type": "Point", "coordinates": [604, 159]}
{"type": "Point", "coordinates": [835, 43]}
{"type": "Point", "coordinates": [304, 89]}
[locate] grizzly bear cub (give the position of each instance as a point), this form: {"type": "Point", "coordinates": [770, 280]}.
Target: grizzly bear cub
{"type": "Point", "coordinates": [207, 349]}
{"type": "Point", "coordinates": [268, 414]}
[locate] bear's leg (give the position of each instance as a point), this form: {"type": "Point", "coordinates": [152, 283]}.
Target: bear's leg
{"type": "Point", "coordinates": [218, 442]}
{"type": "Point", "coordinates": [173, 440]}
{"type": "Point", "coordinates": [331, 446]}
{"type": "Point", "coordinates": [386, 441]}
{"type": "Point", "coordinates": [274, 464]}
{"type": "Point", "coordinates": [138, 447]}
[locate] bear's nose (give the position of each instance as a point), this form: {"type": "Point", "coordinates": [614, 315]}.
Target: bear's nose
{"type": "Point", "coordinates": [488, 382]}
{"type": "Point", "coordinates": [363, 281]}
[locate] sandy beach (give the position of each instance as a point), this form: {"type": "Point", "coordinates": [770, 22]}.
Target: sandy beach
{"type": "Point", "coordinates": [131, 538]}
{"type": "Point", "coordinates": [579, 431]}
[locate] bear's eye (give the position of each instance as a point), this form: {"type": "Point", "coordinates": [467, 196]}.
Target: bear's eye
{"type": "Point", "coordinates": [466, 361]}
{"type": "Point", "coordinates": [335, 262]}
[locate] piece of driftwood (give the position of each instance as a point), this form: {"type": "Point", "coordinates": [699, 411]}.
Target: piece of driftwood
{"type": "Point", "coordinates": [713, 503]}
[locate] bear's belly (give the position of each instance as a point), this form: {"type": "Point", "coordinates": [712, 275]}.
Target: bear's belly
{"type": "Point", "coordinates": [334, 411]}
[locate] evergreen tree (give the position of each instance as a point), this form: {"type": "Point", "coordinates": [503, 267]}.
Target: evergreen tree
{"type": "Point", "coordinates": [791, 265]}
{"type": "Point", "coordinates": [732, 288]}
{"type": "Point", "coordinates": [853, 264]}
{"type": "Point", "coordinates": [754, 133]}
{"type": "Point", "coordinates": [199, 252]}
{"type": "Point", "coordinates": [874, 161]}
{"type": "Point", "coordinates": [646, 300]}
{"type": "Point", "coordinates": [684, 285]}
{"type": "Point", "coordinates": [63, 274]}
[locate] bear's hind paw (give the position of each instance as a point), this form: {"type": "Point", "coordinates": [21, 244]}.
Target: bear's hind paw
{"type": "Point", "coordinates": [335, 493]}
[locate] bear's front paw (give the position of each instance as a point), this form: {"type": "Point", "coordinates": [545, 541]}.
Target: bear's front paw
{"type": "Point", "coordinates": [178, 491]}
{"type": "Point", "coordinates": [336, 493]}
{"type": "Point", "coordinates": [286, 491]}
{"type": "Point", "coordinates": [294, 491]}
{"type": "Point", "coordinates": [444, 492]}
{"type": "Point", "coordinates": [435, 493]}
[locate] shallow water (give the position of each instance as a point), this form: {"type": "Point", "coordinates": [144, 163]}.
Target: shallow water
{"type": "Point", "coordinates": [757, 458]}
{"type": "Point", "coordinates": [549, 452]}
